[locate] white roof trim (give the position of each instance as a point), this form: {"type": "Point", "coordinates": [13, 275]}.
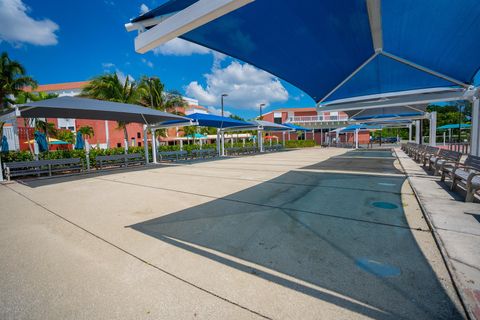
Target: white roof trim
{"type": "Point", "coordinates": [192, 17]}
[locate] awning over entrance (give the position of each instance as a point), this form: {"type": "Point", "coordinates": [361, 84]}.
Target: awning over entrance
{"type": "Point", "coordinates": [82, 108]}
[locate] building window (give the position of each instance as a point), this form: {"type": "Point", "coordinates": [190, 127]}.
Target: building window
{"type": "Point", "coordinates": [119, 145]}
{"type": "Point", "coordinates": [139, 144]}
{"type": "Point", "coordinates": [139, 135]}
{"type": "Point", "coordinates": [277, 117]}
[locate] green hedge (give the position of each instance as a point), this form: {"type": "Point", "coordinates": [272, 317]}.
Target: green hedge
{"type": "Point", "coordinates": [14, 156]}
{"type": "Point", "coordinates": [299, 143]}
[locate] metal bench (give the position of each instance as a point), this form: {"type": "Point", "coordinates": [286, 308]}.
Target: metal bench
{"type": "Point", "coordinates": [39, 167]}
{"type": "Point", "coordinates": [274, 148]}
{"type": "Point", "coordinates": [119, 160]}
{"type": "Point", "coordinates": [425, 154]}
{"type": "Point", "coordinates": [444, 157]}
{"type": "Point", "coordinates": [466, 174]}
{"type": "Point", "coordinates": [204, 153]}
{"type": "Point", "coordinates": [173, 155]}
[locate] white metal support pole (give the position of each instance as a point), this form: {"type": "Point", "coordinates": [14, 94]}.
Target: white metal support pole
{"type": "Point", "coordinates": [201, 142]}
{"type": "Point", "coordinates": [107, 135]}
{"type": "Point", "coordinates": [222, 133]}
{"type": "Point", "coordinates": [283, 139]}
{"type": "Point", "coordinates": [87, 154]}
{"type": "Point", "coordinates": [433, 128]}
{"type": "Point", "coordinates": [145, 142]}
{"type": "Point", "coordinates": [313, 134]}
{"type": "Point", "coordinates": [154, 146]}
{"type": "Point", "coordinates": [444, 138]}
{"type": "Point", "coordinates": [260, 140]}
{"type": "Point", "coordinates": [449, 135]}
{"type": "Point", "coordinates": [125, 143]}
{"type": "Point", "coordinates": [417, 131]}
{"type": "Point", "coordinates": [181, 145]}
{"type": "Point", "coordinates": [410, 132]}
{"type": "Point", "coordinates": [356, 138]}
{"type": "Point", "coordinates": [1, 170]}
{"type": "Point", "coordinates": [243, 142]}
{"type": "Point", "coordinates": [231, 140]}
{"type": "Point", "coordinates": [475, 136]}
{"type": "Point", "coordinates": [218, 142]}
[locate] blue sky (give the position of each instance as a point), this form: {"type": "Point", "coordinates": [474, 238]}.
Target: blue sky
{"type": "Point", "coordinates": [76, 40]}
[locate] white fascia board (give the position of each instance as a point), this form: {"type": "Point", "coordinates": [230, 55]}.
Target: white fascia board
{"type": "Point", "coordinates": [398, 101]}
{"type": "Point", "coordinates": [184, 21]}
{"type": "Point", "coordinates": [392, 94]}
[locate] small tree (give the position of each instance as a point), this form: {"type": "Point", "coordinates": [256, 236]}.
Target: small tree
{"type": "Point", "coordinates": [87, 131]}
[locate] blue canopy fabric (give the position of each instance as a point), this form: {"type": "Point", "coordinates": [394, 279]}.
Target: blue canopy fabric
{"type": "Point", "coordinates": [295, 127]}
{"type": "Point", "coordinates": [210, 120]}
{"type": "Point", "coordinates": [79, 143]}
{"type": "Point", "coordinates": [331, 40]}
{"type": "Point", "coordinates": [387, 115]}
{"type": "Point", "coordinates": [354, 127]}
{"type": "Point", "coordinates": [455, 126]}
{"type": "Point", "coordinates": [5, 147]}
{"type": "Point", "coordinates": [41, 141]}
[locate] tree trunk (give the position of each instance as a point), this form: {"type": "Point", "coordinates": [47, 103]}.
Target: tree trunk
{"type": "Point", "coordinates": [28, 135]}
{"type": "Point", "coordinates": [125, 134]}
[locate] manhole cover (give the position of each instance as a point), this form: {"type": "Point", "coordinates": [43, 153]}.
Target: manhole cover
{"type": "Point", "coordinates": [384, 205]}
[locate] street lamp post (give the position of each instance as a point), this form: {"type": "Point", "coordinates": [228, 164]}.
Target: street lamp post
{"type": "Point", "coordinates": [223, 95]}
{"type": "Point", "coordinates": [261, 105]}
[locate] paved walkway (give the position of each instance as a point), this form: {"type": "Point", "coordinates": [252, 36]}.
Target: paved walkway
{"type": "Point", "coordinates": [456, 226]}
{"type": "Point", "coordinates": [307, 234]}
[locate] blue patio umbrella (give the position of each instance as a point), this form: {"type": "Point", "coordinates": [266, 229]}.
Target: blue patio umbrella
{"type": "Point", "coordinates": [4, 144]}
{"type": "Point", "coordinates": [41, 141]}
{"type": "Point", "coordinates": [80, 143]}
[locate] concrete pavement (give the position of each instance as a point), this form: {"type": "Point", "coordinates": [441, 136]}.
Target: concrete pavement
{"type": "Point", "coordinates": [282, 236]}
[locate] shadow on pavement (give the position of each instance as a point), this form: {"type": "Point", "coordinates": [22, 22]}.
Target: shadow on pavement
{"type": "Point", "coordinates": [340, 232]}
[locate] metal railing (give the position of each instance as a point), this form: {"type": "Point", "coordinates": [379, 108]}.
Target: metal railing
{"type": "Point", "coordinates": [318, 118]}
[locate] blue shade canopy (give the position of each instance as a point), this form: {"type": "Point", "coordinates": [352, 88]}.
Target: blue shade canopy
{"type": "Point", "coordinates": [295, 127]}
{"type": "Point", "coordinates": [165, 9]}
{"type": "Point", "coordinates": [5, 147]}
{"type": "Point", "coordinates": [80, 143]}
{"type": "Point", "coordinates": [210, 120]}
{"type": "Point", "coordinates": [455, 126]}
{"type": "Point", "coordinates": [83, 108]}
{"type": "Point", "coordinates": [336, 49]}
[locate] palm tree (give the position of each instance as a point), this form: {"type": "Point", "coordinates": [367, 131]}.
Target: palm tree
{"type": "Point", "coordinates": [87, 131]}
{"type": "Point", "coordinates": [109, 87]}
{"type": "Point", "coordinates": [151, 93]}
{"type": "Point", "coordinates": [13, 79]}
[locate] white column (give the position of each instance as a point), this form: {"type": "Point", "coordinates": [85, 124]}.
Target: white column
{"type": "Point", "coordinates": [145, 142]}
{"type": "Point", "coordinates": [107, 134]}
{"type": "Point", "coordinates": [1, 170]}
{"type": "Point", "coordinates": [283, 138]}
{"type": "Point", "coordinates": [444, 138]}
{"type": "Point", "coordinates": [154, 146]}
{"type": "Point", "coordinates": [222, 142]}
{"type": "Point", "coordinates": [260, 140]}
{"type": "Point", "coordinates": [410, 132]}
{"type": "Point", "coordinates": [181, 145]}
{"type": "Point", "coordinates": [218, 143]}
{"type": "Point", "coordinates": [243, 142]}
{"type": "Point", "coordinates": [356, 138]}
{"type": "Point", "coordinates": [417, 131]}
{"type": "Point", "coordinates": [201, 142]}
{"type": "Point", "coordinates": [449, 135]}
{"type": "Point", "coordinates": [475, 135]}
{"type": "Point", "coordinates": [231, 140]}
{"type": "Point", "coordinates": [433, 129]}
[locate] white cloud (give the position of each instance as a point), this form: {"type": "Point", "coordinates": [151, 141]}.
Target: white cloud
{"type": "Point", "coordinates": [144, 8]}
{"type": "Point", "coordinates": [218, 111]}
{"type": "Point", "coordinates": [16, 26]}
{"type": "Point", "coordinates": [245, 85]}
{"type": "Point", "coordinates": [147, 62]}
{"type": "Point", "coordinates": [180, 47]}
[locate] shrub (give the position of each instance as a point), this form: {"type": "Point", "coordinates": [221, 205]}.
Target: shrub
{"type": "Point", "coordinates": [299, 143]}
